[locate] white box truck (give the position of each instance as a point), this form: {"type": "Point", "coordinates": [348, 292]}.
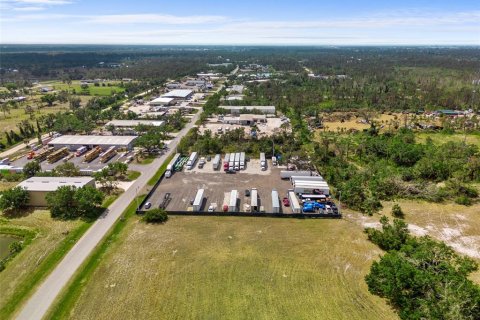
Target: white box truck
{"type": "Point", "coordinates": [263, 161]}
{"type": "Point", "coordinates": [191, 161]}
{"type": "Point", "coordinates": [216, 162]}
{"type": "Point", "coordinates": [237, 161]}
{"type": "Point", "coordinates": [242, 161]}
{"type": "Point", "coordinates": [171, 166]}
{"type": "Point", "coordinates": [232, 205]}
{"type": "Point", "coordinates": [254, 200]}
{"type": "Point", "coordinates": [274, 160]}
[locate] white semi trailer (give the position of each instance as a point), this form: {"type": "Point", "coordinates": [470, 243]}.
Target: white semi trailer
{"type": "Point", "coordinates": [191, 161]}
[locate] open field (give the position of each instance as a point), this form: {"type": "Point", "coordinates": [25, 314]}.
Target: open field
{"type": "Point", "coordinates": [356, 124]}
{"type": "Point", "coordinates": [440, 138]}
{"type": "Point", "coordinates": [234, 268]}
{"type": "Point", "coordinates": [9, 121]}
{"type": "Point", "coordinates": [32, 264]}
{"type": "Point", "coordinates": [92, 89]}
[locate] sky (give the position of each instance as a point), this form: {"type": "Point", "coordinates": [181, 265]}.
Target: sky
{"type": "Point", "coordinates": [247, 22]}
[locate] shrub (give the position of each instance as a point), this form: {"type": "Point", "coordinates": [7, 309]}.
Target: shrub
{"type": "Point", "coordinates": [397, 211]}
{"type": "Point", "coordinates": [155, 216]}
{"type": "Point", "coordinates": [391, 237]}
{"type": "Point", "coordinates": [464, 200]}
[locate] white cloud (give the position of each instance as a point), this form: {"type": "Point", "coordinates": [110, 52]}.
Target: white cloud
{"type": "Point", "coordinates": [154, 18]}
{"type": "Point", "coordinates": [32, 8]}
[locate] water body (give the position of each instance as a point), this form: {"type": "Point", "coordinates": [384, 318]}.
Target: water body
{"type": "Point", "coordinates": [5, 242]}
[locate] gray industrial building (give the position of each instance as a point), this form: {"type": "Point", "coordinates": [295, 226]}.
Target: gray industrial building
{"type": "Point", "coordinates": [39, 187]}
{"type": "Point", "coordinates": [75, 142]}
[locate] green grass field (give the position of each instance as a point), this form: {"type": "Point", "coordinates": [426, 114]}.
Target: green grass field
{"type": "Point", "coordinates": [27, 270]}
{"type": "Point", "coordinates": [92, 89]}
{"type": "Point", "coordinates": [233, 268]}
{"type": "Point", "coordinates": [440, 138]}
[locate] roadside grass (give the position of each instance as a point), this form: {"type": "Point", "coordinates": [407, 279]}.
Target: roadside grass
{"type": "Point", "coordinates": [74, 288]}
{"type": "Point", "coordinates": [133, 175]}
{"type": "Point", "coordinates": [28, 269]}
{"type": "Point", "coordinates": [145, 160]}
{"type": "Point", "coordinates": [227, 268]}
{"type": "Point", "coordinates": [160, 171]}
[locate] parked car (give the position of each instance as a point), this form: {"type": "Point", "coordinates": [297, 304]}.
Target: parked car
{"type": "Point", "coordinates": [247, 193]}
{"type": "Point", "coordinates": [286, 202]}
{"type": "Point", "coordinates": [225, 207]}
{"type": "Point", "coordinates": [148, 205]}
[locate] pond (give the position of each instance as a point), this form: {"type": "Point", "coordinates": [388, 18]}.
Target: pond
{"type": "Point", "coordinates": [5, 241]}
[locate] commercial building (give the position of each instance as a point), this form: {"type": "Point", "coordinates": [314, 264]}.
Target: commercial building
{"type": "Point", "coordinates": [127, 127]}
{"type": "Point", "coordinates": [178, 94]}
{"type": "Point", "coordinates": [245, 119]}
{"type": "Point", "coordinates": [105, 142]}
{"type": "Point", "coordinates": [245, 109]}
{"type": "Point", "coordinates": [162, 101]}
{"type": "Point", "coordinates": [39, 187]}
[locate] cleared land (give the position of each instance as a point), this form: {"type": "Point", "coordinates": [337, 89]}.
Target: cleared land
{"type": "Point", "coordinates": [439, 138]}
{"type": "Point", "coordinates": [91, 90]}
{"type": "Point", "coordinates": [234, 268]}
{"type": "Point", "coordinates": [23, 272]}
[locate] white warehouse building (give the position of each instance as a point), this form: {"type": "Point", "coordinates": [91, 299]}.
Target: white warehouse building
{"type": "Point", "coordinates": [105, 142]}
{"type": "Point", "coordinates": [239, 109]}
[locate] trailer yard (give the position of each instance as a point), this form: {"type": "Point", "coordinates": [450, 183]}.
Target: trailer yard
{"type": "Point", "coordinates": [210, 190]}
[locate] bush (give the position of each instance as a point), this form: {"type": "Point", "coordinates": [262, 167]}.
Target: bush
{"type": "Point", "coordinates": [397, 211]}
{"type": "Point", "coordinates": [15, 247]}
{"type": "Point", "coordinates": [391, 237]}
{"type": "Point", "coordinates": [14, 199]}
{"type": "Point", "coordinates": [464, 200]}
{"type": "Point", "coordinates": [155, 216]}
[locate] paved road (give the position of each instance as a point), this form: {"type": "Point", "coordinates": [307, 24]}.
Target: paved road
{"type": "Point", "coordinates": [20, 146]}
{"type": "Point", "coordinates": [38, 305]}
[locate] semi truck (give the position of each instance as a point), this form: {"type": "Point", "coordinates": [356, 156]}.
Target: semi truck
{"type": "Point", "coordinates": [198, 201]}
{"type": "Point", "coordinates": [42, 155]}
{"type": "Point", "coordinates": [313, 206]}
{"type": "Point", "coordinates": [263, 161]}
{"type": "Point", "coordinates": [242, 161]}
{"type": "Point", "coordinates": [232, 205]}
{"type": "Point", "coordinates": [237, 161]}
{"type": "Point", "coordinates": [191, 161]}
{"type": "Point", "coordinates": [107, 155]}
{"type": "Point", "coordinates": [284, 174]}
{"type": "Point", "coordinates": [226, 161]}
{"type": "Point", "coordinates": [80, 151]}
{"type": "Point", "coordinates": [57, 155]}
{"type": "Point", "coordinates": [254, 200]}
{"type": "Point", "coordinates": [216, 162]}
{"type": "Point", "coordinates": [171, 166]}
{"type": "Point", "coordinates": [93, 154]}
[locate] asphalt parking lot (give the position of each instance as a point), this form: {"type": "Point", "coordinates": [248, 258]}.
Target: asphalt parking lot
{"type": "Point", "coordinates": [184, 185]}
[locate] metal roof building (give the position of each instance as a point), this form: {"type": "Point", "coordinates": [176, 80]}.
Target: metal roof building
{"type": "Point", "coordinates": [39, 187]}
{"type": "Point", "coordinates": [238, 109]}
{"type": "Point", "coordinates": [178, 94]}
{"type": "Point", "coordinates": [134, 123]}
{"type": "Point", "coordinates": [74, 142]}
{"type": "Point", "coordinates": [162, 101]}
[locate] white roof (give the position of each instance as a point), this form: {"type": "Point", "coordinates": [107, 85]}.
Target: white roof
{"type": "Point", "coordinates": [53, 183]}
{"type": "Point", "coordinates": [134, 123]}
{"type": "Point", "coordinates": [248, 107]}
{"type": "Point", "coordinates": [161, 100]}
{"type": "Point", "coordinates": [93, 140]}
{"type": "Point", "coordinates": [177, 94]}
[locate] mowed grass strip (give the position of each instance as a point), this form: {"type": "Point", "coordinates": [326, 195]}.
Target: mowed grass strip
{"type": "Point", "coordinates": [229, 268]}
{"type": "Point", "coordinates": [72, 290]}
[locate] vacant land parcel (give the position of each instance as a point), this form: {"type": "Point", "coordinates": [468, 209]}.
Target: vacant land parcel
{"type": "Point", "coordinates": [234, 268]}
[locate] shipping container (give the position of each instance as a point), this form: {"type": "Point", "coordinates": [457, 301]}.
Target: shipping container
{"type": "Point", "coordinates": [232, 206]}
{"type": "Point", "coordinates": [284, 174]}
{"type": "Point", "coordinates": [294, 202]}
{"type": "Point", "coordinates": [197, 203]}
{"type": "Point", "coordinates": [275, 202]}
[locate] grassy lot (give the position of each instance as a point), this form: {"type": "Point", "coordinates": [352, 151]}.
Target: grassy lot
{"type": "Point", "coordinates": [26, 271]}
{"type": "Point", "coordinates": [439, 138]}
{"type": "Point", "coordinates": [92, 89]}
{"type": "Point", "coordinates": [133, 175]}
{"type": "Point", "coordinates": [9, 121]}
{"type": "Point", "coordinates": [229, 268]}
